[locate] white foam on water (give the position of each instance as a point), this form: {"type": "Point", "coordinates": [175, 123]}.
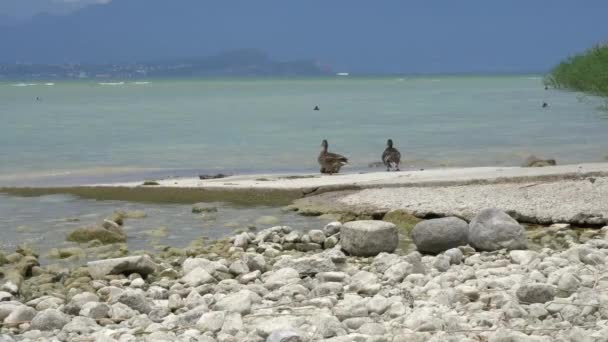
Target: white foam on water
{"type": "Point", "coordinates": [49, 84]}
{"type": "Point", "coordinates": [141, 83]}
{"type": "Point", "coordinates": [24, 84]}
{"type": "Point", "coordinates": [111, 83]}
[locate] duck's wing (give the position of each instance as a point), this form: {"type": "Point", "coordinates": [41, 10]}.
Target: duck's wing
{"type": "Point", "coordinates": [385, 155]}
{"type": "Point", "coordinates": [335, 158]}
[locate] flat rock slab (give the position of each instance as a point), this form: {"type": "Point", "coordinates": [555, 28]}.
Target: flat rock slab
{"type": "Point", "coordinates": [143, 265]}
{"type": "Point", "coordinates": [368, 238]}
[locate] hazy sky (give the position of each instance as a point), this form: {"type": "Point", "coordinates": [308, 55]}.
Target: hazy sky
{"type": "Point", "coordinates": [409, 36]}
{"type": "Point", "coordinates": [22, 9]}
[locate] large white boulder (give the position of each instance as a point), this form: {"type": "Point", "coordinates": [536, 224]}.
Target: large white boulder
{"type": "Point", "coordinates": [368, 238]}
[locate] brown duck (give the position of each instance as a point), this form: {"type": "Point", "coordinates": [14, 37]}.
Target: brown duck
{"type": "Point", "coordinates": [391, 156]}
{"type": "Point", "coordinates": [330, 162]}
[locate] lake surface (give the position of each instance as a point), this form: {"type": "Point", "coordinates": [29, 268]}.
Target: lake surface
{"type": "Point", "coordinates": [82, 132]}
{"type": "Point", "coordinates": [44, 222]}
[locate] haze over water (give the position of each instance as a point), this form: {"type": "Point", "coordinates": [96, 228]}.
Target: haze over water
{"type": "Point", "coordinates": [186, 127]}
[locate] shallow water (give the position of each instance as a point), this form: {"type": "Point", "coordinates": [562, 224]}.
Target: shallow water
{"type": "Point", "coordinates": [83, 132]}
{"type": "Point", "coordinates": [44, 222]}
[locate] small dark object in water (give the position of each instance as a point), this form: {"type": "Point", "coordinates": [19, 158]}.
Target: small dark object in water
{"type": "Point", "coordinates": [545, 105]}
{"type": "Point", "coordinates": [217, 176]}
{"type": "Point", "coordinates": [148, 183]}
{"type": "Point", "coordinates": [534, 161]}
{"type": "Point", "coordinates": [546, 87]}
{"type": "Point", "coordinates": [37, 98]}
{"type": "Point", "coordinates": [316, 108]}
{"type": "Point", "coordinates": [591, 179]}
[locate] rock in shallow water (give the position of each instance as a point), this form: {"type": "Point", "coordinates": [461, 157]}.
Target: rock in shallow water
{"type": "Point", "coordinates": [368, 238]}
{"type": "Point", "coordinates": [493, 229]}
{"type": "Point", "coordinates": [438, 235]}
{"type": "Point", "coordinates": [142, 265]}
{"type": "Point", "coordinates": [100, 233]}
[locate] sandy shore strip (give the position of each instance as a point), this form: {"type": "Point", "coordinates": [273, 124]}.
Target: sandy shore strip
{"type": "Point", "coordinates": [545, 195]}
{"type": "Point", "coordinates": [380, 179]}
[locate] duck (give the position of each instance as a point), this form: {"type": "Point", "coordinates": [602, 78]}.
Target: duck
{"type": "Point", "coordinates": [330, 162]}
{"type": "Point", "coordinates": [391, 157]}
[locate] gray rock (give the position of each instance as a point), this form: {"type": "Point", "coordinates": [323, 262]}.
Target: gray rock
{"type": "Point", "coordinates": [121, 312]}
{"type": "Point", "coordinates": [233, 323]}
{"type": "Point", "coordinates": [255, 262]}
{"type": "Point", "coordinates": [337, 277]}
{"type": "Point", "coordinates": [364, 282]}
{"type": "Point", "coordinates": [135, 300]}
{"type": "Point", "coordinates": [49, 319]}
{"type": "Point", "coordinates": [197, 277]}
{"type": "Point", "coordinates": [535, 293]}
{"type": "Point", "coordinates": [80, 325]}
{"type": "Point", "coordinates": [237, 302]}
{"type": "Point", "coordinates": [368, 238]}
{"type": "Point", "coordinates": [455, 254]}
{"type": "Point", "coordinates": [493, 229]}
{"type": "Point", "coordinates": [95, 310]}
{"type": "Point", "coordinates": [396, 273]}
{"type": "Point", "coordinates": [568, 284]}
{"type": "Point", "coordinates": [378, 304]}
{"type": "Point", "coordinates": [383, 261]}
{"type": "Point", "coordinates": [332, 228]}
{"type": "Point", "coordinates": [211, 321]}
{"type": "Point", "coordinates": [142, 265]}
{"type": "Point", "coordinates": [438, 235]}
{"type": "Point", "coordinates": [442, 263]}
{"type": "Point", "coordinates": [284, 336]}
{"type": "Point", "coordinates": [19, 315]}
{"type": "Point", "coordinates": [241, 240]}
{"type": "Point", "coordinates": [239, 267]}
{"type": "Point", "coordinates": [523, 257]}
{"type": "Point", "coordinates": [6, 308]}
{"type": "Point", "coordinates": [307, 265]}
{"type": "Point", "coordinates": [507, 335]}
{"type": "Point", "coordinates": [351, 306]}
{"type": "Point", "coordinates": [330, 242]}
{"type": "Point", "coordinates": [372, 329]}
{"type": "Point", "coordinates": [212, 267]}
{"type": "Point", "coordinates": [317, 236]}
{"type": "Point", "coordinates": [308, 246]}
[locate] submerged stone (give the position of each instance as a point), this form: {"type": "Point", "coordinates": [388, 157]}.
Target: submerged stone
{"type": "Point", "coordinates": [106, 236]}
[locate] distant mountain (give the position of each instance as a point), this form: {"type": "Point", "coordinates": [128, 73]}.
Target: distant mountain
{"type": "Point", "coordinates": [245, 62]}
{"type": "Point", "coordinates": [357, 36]}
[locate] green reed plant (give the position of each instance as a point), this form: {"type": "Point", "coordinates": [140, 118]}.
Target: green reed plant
{"type": "Point", "coordinates": [587, 72]}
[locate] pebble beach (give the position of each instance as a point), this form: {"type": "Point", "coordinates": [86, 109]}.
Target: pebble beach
{"type": "Point", "coordinates": [401, 262]}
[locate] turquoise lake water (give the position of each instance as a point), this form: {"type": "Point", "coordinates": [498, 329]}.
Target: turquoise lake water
{"type": "Point", "coordinates": [81, 132]}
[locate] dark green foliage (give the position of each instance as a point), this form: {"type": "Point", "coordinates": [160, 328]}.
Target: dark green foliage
{"type": "Point", "coordinates": [587, 72]}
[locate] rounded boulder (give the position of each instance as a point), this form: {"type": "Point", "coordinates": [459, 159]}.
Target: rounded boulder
{"type": "Point", "coordinates": [493, 229]}
{"type": "Point", "coordinates": [368, 238]}
{"type": "Point", "coordinates": [438, 235]}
